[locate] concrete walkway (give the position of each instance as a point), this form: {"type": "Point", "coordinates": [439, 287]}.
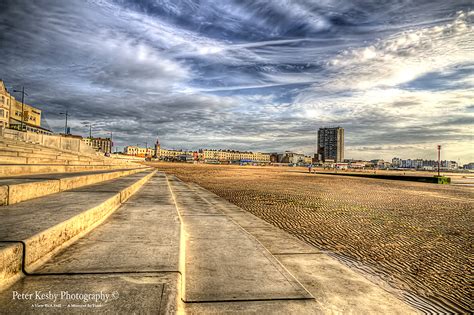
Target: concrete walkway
{"type": "Point", "coordinates": [336, 289]}
{"type": "Point", "coordinates": [175, 247]}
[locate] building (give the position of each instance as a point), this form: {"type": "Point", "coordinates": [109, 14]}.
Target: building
{"type": "Point", "coordinates": [15, 115]}
{"type": "Point", "coordinates": [291, 158]}
{"type": "Point", "coordinates": [138, 151]}
{"type": "Point", "coordinates": [330, 144]}
{"type": "Point", "coordinates": [5, 100]}
{"type": "Point", "coordinates": [205, 155]}
{"type": "Point", "coordinates": [380, 164]}
{"type": "Point", "coordinates": [396, 162]}
{"type": "Point", "coordinates": [103, 145]}
{"type": "Point", "coordinates": [469, 166]}
{"type": "Point", "coordinates": [421, 164]}
{"type": "Point", "coordinates": [234, 156]}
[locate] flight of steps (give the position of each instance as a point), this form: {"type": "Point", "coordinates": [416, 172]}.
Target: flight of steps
{"type": "Point", "coordinates": [25, 158]}
{"type": "Point", "coordinates": [49, 197]}
{"type": "Point", "coordinates": [42, 221]}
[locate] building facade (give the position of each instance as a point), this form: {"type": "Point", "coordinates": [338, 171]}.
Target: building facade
{"type": "Point", "coordinates": [233, 156]}
{"type": "Point", "coordinates": [138, 151]}
{"type": "Point", "coordinates": [15, 115]}
{"type": "Point", "coordinates": [103, 145]}
{"type": "Point", "coordinates": [420, 164]}
{"type": "Point", "coordinates": [5, 99]}
{"type": "Point", "coordinates": [330, 145]}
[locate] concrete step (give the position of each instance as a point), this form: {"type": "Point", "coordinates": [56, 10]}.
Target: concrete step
{"type": "Point", "coordinates": [17, 189]}
{"type": "Point", "coordinates": [44, 226]}
{"type": "Point", "coordinates": [9, 170]}
{"type": "Point", "coordinates": [222, 261]}
{"type": "Point", "coordinates": [13, 160]}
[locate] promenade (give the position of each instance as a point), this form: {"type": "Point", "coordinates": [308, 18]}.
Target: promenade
{"type": "Point", "coordinates": [175, 247]}
{"type": "Point", "coordinates": [112, 236]}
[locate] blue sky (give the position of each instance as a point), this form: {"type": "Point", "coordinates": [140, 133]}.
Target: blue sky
{"type": "Point", "coordinates": [253, 75]}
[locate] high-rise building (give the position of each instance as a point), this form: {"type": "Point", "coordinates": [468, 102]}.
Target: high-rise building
{"type": "Point", "coordinates": [330, 144]}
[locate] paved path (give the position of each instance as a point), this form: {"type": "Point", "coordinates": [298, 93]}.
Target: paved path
{"type": "Point", "coordinates": [176, 247]}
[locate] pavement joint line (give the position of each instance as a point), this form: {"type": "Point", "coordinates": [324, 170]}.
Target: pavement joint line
{"type": "Point", "coordinates": [181, 262]}
{"type": "Point", "coordinates": [251, 300]}
{"type": "Point", "coordinates": [103, 273]}
{"type": "Point", "coordinates": [203, 215]}
{"type": "Point", "coordinates": [298, 253]}
{"type": "Point", "coordinates": [161, 298]}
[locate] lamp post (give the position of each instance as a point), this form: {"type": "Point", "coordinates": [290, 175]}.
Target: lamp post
{"type": "Point", "coordinates": [85, 124]}
{"type": "Point", "coordinates": [22, 104]}
{"type": "Point", "coordinates": [111, 142]}
{"type": "Point", "coordinates": [439, 157]}
{"type": "Point", "coordinates": [65, 125]}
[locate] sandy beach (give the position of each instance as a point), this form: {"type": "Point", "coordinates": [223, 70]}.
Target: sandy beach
{"type": "Point", "coordinates": [415, 237]}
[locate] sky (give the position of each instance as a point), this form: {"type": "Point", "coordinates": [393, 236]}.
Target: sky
{"type": "Point", "coordinates": [397, 75]}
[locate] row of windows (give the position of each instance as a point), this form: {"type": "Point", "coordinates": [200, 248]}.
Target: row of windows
{"type": "Point", "coordinates": [32, 118]}
{"type": "Point", "coordinates": [4, 100]}
{"type": "Point", "coordinates": [3, 113]}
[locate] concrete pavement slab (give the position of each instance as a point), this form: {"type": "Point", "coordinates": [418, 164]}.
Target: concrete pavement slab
{"type": "Point", "coordinates": [126, 293]}
{"type": "Point", "coordinates": [224, 263]}
{"type": "Point", "coordinates": [340, 289]}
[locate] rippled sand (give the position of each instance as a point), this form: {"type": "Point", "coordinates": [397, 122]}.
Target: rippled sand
{"type": "Point", "coordinates": [415, 236]}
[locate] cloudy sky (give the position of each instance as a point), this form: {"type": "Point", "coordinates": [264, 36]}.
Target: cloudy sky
{"type": "Point", "coordinates": [398, 75]}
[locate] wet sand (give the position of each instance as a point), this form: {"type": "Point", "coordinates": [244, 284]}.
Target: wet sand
{"type": "Point", "coordinates": [416, 237]}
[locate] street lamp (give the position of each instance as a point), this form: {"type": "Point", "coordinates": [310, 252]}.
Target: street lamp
{"type": "Point", "coordinates": [439, 157]}
{"type": "Point", "coordinates": [65, 125]}
{"type": "Point", "coordinates": [22, 104]}
{"type": "Point", "coordinates": [86, 123]}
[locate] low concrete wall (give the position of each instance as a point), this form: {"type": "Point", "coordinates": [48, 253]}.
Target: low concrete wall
{"type": "Point", "coordinates": [52, 141]}
{"type": "Point", "coordinates": [412, 178]}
